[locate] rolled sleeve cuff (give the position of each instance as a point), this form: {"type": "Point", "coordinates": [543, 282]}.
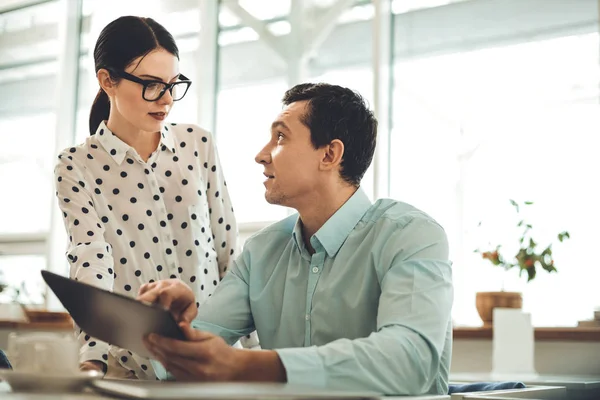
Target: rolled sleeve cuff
{"type": "Point", "coordinates": [303, 366]}
{"type": "Point", "coordinates": [96, 353]}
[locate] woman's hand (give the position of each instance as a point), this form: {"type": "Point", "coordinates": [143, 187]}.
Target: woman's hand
{"type": "Point", "coordinates": [93, 366]}
{"type": "Point", "coordinates": [173, 295]}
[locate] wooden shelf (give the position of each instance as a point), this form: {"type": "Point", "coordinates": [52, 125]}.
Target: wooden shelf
{"type": "Point", "coordinates": [51, 326]}
{"type": "Point", "coordinates": [541, 334]}
{"type": "Point", "coordinates": [62, 321]}
{"type": "Point", "coordinates": [41, 320]}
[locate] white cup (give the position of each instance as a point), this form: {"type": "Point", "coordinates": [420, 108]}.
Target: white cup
{"type": "Point", "coordinates": [47, 353]}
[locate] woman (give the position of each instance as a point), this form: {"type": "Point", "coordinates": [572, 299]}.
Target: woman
{"type": "Point", "coordinates": [142, 200]}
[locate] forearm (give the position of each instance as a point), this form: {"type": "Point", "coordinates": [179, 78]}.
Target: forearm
{"type": "Point", "coordinates": [260, 366]}
{"type": "Point", "coordinates": [393, 361]}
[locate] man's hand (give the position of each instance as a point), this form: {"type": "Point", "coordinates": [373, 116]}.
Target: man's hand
{"type": "Point", "coordinates": [173, 295]}
{"type": "Point", "coordinates": [93, 366]}
{"type": "Point", "coordinates": [206, 357]}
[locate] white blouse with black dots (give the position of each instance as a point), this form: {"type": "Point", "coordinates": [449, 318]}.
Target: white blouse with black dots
{"type": "Point", "coordinates": [132, 222]}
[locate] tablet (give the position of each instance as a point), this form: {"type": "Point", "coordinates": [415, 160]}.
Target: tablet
{"type": "Point", "coordinates": [111, 317]}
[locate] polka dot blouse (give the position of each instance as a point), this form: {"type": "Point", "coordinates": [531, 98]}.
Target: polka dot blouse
{"type": "Point", "coordinates": [132, 221]}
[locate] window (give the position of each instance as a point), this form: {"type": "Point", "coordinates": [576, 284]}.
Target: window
{"type": "Point", "coordinates": [27, 131]}
{"type": "Point", "coordinates": [475, 129]}
{"type": "Point", "coordinates": [250, 93]}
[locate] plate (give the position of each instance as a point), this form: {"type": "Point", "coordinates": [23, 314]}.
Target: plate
{"type": "Point", "coordinates": [20, 381]}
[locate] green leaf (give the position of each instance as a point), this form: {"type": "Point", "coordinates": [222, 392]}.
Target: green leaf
{"type": "Point", "coordinates": [530, 273]}
{"type": "Point", "coordinates": [520, 223]}
{"type": "Point", "coordinates": [514, 203]}
{"type": "Point", "coordinates": [563, 235]}
{"type": "Point", "coordinates": [528, 203]}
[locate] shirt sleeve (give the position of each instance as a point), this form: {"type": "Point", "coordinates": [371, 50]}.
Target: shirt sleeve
{"type": "Point", "coordinates": [403, 357]}
{"type": "Point", "coordinates": [89, 255]}
{"type": "Point", "coordinates": [222, 219]}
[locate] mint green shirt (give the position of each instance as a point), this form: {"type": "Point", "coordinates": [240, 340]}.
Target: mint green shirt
{"type": "Point", "coordinates": [368, 311]}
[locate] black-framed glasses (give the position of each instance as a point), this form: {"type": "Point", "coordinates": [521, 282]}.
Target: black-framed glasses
{"type": "Point", "coordinates": [154, 90]}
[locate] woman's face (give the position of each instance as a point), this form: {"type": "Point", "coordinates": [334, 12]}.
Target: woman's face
{"type": "Point", "coordinates": [126, 96]}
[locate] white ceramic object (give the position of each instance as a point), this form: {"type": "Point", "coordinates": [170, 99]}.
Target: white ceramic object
{"type": "Point", "coordinates": [48, 383]}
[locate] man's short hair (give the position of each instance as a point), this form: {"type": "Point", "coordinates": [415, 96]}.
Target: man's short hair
{"type": "Point", "coordinates": [335, 112]}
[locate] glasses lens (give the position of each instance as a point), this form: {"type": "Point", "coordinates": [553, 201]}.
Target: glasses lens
{"type": "Point", "coordinates": [179, 90]}
{"type": "Point", "coordinates": [153, 91]}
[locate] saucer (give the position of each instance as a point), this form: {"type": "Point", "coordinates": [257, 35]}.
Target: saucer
{"type": "Point", "coordinates": [20, 381]}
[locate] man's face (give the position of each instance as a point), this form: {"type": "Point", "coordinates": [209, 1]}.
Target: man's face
{"type": "Point", "coordinates": [291, 162]}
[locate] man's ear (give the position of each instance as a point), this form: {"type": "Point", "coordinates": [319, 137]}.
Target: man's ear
{"type": "Point", "coordinates": [333, 153]}
{"type": "Point", "coordinates": [106, 82]}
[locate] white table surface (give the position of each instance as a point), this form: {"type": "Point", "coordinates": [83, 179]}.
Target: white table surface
{"type": "Point", "coordinates": [6, 394]}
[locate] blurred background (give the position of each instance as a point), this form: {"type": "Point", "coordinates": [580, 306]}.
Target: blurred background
{"type": "Point", "coordinates": [479, 101]}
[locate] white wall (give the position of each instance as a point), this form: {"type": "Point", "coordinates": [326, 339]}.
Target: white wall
{"type": "Point", "coordinates": [551, 357]}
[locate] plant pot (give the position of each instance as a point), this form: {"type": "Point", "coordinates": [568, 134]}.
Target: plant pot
{"type": "Point", "coordinates": [487, 301]}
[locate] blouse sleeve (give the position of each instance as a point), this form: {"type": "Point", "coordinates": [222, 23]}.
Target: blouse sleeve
{"type": "Point", "coordinates": [89, 255]}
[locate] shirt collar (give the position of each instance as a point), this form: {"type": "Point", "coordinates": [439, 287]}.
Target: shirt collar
{"type": "Point", "coordinates": [338, 227]}
{"type": "Point", "coordinates": [118, 148]}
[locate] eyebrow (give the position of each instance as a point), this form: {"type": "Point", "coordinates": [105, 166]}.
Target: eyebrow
{"type": "Point", "coordinates": [279, 124]}
{"type": "Point", "coordinates": [157, 78]}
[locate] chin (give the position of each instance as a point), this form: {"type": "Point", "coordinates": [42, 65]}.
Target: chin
{"type": "Point", "coordinates": [275, 198]}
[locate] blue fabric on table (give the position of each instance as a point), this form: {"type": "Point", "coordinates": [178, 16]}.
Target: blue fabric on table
{"type": "Point", "coordinates": [483, 387]}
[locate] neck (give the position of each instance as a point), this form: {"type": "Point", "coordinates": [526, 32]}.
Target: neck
{"type": "Point", "coordinates": [144, 143]}
{"type": "Point", "coordinates": [320, 208]}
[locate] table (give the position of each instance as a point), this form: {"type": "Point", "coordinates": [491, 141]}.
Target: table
{"type": "Point", "coordinates": [579, 387]}
{"type": "Point", "coordinates": [5, 394]}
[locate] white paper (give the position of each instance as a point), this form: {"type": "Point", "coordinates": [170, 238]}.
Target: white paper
{"type": "Point", "coordinates": [513, 347]}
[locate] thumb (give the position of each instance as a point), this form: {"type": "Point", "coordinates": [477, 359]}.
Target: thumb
{"type": "Point", "coordinates": [192, 334]}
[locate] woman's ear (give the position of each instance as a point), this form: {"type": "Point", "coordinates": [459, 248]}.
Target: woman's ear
{"type": "Point", "coordinates": [333, 155]}
{"type": "Point", "coordinates": [106, 82]}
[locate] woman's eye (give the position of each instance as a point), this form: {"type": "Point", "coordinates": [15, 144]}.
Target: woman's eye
{"type": "Point", "coordinates": [154, 86]}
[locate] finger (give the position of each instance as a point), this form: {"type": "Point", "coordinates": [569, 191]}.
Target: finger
{"type": "Point", "coordinates": [185, 369]}
{"type": "Point", "coordinates": [162, 296]}
{"type": "Point", "coordinates": [146, 287]}
{"type": "Point", "coordinates": [189, 313]}
{"type": "Point", "coordinates": [149, 295]}
{"type": "Point", "coordinates": [192, 334]}
{"type": "Point", "coordinates": [198, 350]}
{"type": "Point", "coordinates": [157, 352]}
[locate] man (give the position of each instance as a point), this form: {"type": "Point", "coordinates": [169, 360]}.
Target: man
{"type": "Point", "coordinates": [344, 295]}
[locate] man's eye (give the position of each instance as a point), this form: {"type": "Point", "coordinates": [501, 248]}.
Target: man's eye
{"type": "Point", "coordinates": [279, 135]}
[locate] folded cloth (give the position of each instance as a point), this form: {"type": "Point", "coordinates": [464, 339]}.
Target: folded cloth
{"type": "Point", "coordinates": [4, 363]}
{"type": "Point", "coordinates": [483, 387]}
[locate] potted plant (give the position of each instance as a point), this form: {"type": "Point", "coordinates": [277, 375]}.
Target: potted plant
{"type": "Point", "coordinates": [528, 259]}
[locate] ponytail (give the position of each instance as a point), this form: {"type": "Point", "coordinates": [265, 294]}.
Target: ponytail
{"type": "Point", "coordinates": [100, 110]}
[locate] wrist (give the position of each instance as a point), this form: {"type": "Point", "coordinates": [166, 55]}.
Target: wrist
{"type": "Point", "coordinates": [94, 364]}
{"type": "Point", "coordinates": [259, 366]}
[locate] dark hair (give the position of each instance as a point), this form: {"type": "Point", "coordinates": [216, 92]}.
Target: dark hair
{"type": "Point", "coordinates": [119, 43]}
{"type": "Point", "coordinates": [336, 112]}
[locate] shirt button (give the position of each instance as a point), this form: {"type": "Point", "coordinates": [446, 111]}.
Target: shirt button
{"type": "Point", "coordinates": [315, 270]}
{"type": "Point", "coordinates": [307, 317]}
